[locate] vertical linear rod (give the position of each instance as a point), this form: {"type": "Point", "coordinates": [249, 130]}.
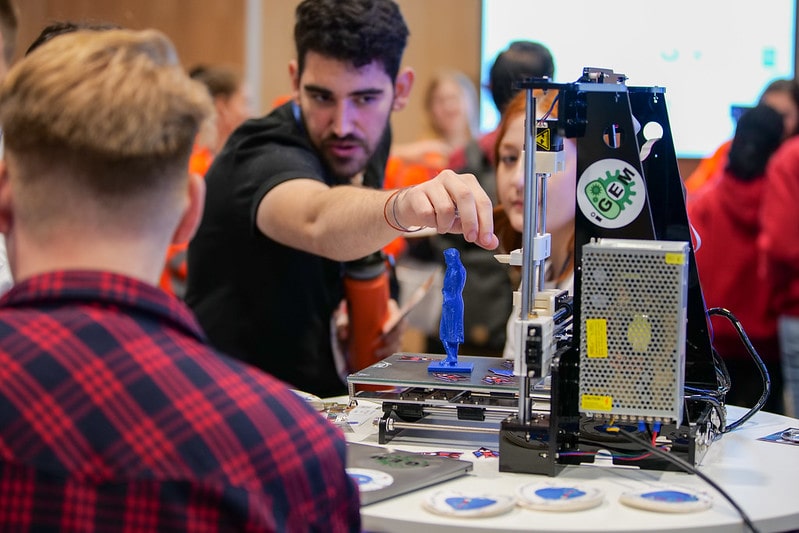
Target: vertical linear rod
{"type": "Point", "coordinates": [541, 179]}
{"type": "Point", "coordinates": [528, 233]}
{"type": "Point", "coordinates": [530, 208]}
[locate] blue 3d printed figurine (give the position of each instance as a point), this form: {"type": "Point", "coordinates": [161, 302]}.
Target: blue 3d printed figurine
{"type": "Point", "coordinates": [451, 329]}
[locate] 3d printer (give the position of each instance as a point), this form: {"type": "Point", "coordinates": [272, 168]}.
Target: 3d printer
{"type": "Point", "coordinates": [628, 359]}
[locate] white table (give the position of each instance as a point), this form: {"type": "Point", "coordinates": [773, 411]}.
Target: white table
{"type": "Point", "coordinates": [762, 477]}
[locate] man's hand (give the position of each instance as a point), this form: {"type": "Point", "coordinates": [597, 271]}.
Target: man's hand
{"type": "Point", "coordinates": [450, 203]}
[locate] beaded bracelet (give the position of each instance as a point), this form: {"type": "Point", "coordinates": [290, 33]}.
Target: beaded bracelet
{"type": "Point", "coordinates": [396, 225]}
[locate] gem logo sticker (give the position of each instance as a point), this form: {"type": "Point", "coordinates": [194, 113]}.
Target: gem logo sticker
{"type": "Point", "coordinates": [611, 193]}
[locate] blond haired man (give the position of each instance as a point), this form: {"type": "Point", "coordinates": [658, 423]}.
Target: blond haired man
{"type": "Point", "coordinates": [116, 414]}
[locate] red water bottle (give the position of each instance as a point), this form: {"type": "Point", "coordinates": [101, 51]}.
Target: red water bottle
{"type": "Point", "coordinates": [366, 288]}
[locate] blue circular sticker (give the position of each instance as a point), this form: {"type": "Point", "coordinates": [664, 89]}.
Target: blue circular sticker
{"type": "Point", "coordinates": [369, 480]}
{"type": "Point", "coordinates": [560, 493]}
{"type": "Point", "coordinates": [670, 496]}
{"type": "Point", "coordinates": [551, 496]}
{"type": "Point", "coordinates": [466, 504]}
{"type": "Point", "coordinates": [667, 500]}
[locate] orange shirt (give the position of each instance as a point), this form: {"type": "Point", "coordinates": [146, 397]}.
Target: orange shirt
{"type": "Point", "coordinates": [708, 168]}
{"type": "Point", "coordinates": [200, 160]}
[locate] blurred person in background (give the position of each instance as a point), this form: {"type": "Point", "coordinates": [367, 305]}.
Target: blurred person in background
{"type": "Point", "coordinates": [782, 95]}
{"type": "Point", "coordinates": [232, 106]}
{"type": "Point", "coordinates": [778, 244]}
{"type": "Point", "coordinates": [725, 215]}
{"type": "Point", "coordinates": [451, 109]}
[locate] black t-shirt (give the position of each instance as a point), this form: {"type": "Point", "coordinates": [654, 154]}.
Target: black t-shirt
{"type": "Point", "coordinates": [260, 301]}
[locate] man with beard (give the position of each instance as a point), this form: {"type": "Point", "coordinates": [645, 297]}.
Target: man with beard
{"type": "Point", "coordinates": [296, 194]}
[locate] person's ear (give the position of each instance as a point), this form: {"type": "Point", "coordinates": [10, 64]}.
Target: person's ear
{"type": "Point", "coordinates": [402, 88]}
{"type": "Point", "coordinates": [294, 74]}
{"type": "Point", "coordinates": [193, 213]}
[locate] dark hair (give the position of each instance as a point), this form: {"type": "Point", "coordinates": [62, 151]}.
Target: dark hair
{"type": "Point", "coordinates": [55, 29]}
{"type": "Point", "coordinates": [220, 80]}
{"type": "Point", "coordinates": [354, 31]}
{"type": "Point", "coordinates": [757, 135]}
{"type": "Point", "coordinates": [9, 25]}
{"type": "Point", "coordinates": [783, 85]}
{"type": "Point", "coordinates": [522, 59]}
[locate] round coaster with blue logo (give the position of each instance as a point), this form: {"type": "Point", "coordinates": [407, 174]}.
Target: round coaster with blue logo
{"type": "Point", "coordinates": [369, 480]}
{"type": "Point", "coordinates": [468, 505]}
{"type": "Point", "coordinates": [551, 496]}
{"type": "Point", "coordinates": [667, 500]}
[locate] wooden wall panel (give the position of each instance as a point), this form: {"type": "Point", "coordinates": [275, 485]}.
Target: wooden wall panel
{"type": "Point", "coordinates": [277, 48]}
{"type": "Point", "coordinates": [444, 33]}
{"type": "Point", "coordinates": [202, 30]}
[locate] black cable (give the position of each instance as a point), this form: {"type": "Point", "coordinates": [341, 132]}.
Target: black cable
{"type": "Point", "coordinates": [761, 366]}
{"type": "Point", "coordinates": [717, 405]}
{"type": "Point", "coordinates": [722, 373]}
{"type": "Point", "coordinates": [685, 465]}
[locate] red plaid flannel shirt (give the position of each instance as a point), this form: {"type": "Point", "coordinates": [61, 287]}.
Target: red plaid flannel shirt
{"type": "Point", "coordinates": [115, 415]}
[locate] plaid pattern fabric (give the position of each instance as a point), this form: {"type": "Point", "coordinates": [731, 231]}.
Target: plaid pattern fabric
{"type": "Point", "coordinates": [115, 415]}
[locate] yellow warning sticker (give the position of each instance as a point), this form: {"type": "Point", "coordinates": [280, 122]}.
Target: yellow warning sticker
{"type": "Point", "coordinates": [594, 402]}
{"type": "Point", "coordinates": [675, 259]}
{"type": "Point", "coordinates": [596, 337]}
{"type": "Point", "coordinates": [543, 140]}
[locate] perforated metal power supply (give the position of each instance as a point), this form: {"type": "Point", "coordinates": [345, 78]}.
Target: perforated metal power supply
{"type": "Point", "coordinates": [633, 327]}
